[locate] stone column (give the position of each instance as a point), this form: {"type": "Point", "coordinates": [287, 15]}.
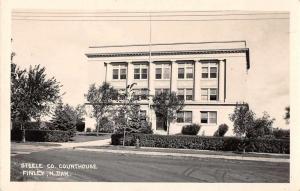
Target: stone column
{"type": "Point", "coordinates": [174, 76]}
{"type": "Point", "coordinates": [130, 73]}
{"type": "Point", "coordinates": [221, 80]}
{"type": "Point", "coordinates": [197, 81]}
{"type": "Point", "coordinates": [108, 72]}
{"type": "Point", "coordinates": [151, 78]}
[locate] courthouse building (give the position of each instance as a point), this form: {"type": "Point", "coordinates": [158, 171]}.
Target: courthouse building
{"type": "Point", "coordinates": [210, 76]}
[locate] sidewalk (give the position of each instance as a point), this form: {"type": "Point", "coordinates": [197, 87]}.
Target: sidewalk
{"type": "Point", "coordinates": [264, 157]}
{"type": "Point", "coordinates": [88, 143]}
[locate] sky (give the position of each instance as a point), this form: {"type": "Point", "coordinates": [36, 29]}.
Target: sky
{"type": "Point", "coordinates": [59, 43]}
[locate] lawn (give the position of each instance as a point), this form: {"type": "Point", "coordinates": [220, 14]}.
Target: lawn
{"type": "Point", "coordinates": [89, 137]}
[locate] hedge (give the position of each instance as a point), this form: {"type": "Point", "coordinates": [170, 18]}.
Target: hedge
{"type": "Point", "coordinates": [205, 143]}
{"type": "Point", "coordinates": [41, 135]}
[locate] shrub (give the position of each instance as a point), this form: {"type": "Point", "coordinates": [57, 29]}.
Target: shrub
{"type": "Point", "coordinates": [205, 143]}
{"type": "Point", "coordinates": [80, 126]}
{"type": "Point", "coordinates": [88, 130]}
{"type": "Point", "coordinates": [41, 135]}
{"type": "Point", "coordinates": [281, 133]}
{"type": "Point", "coordinates": [192, 129]}
{"type": "Point", "coordinates": [221, 131]}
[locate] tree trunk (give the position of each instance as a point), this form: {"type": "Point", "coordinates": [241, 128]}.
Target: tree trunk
{"type": "Point", "coordinates": [23, 133]}
{"type": "Point", "coordinates": [97, 129]}
{"type": "Point", "coordinates": [168, 127]}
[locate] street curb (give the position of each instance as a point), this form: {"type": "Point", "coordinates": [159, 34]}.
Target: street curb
{"type": "Point", "coordinates": [188, 155]}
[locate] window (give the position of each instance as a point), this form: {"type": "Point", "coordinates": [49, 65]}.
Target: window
{"type": "Point", "coordinates": [137, 73]}
{"type": "Point", "coordinates": [213, 94]}
{"type": "Point", "coordinates": [141, 94]}
{"type": "Point", "coordinates": [158, 73]}
{"type": "Point", "coordinates": [140, 71]}
{"type": "Point", "coordinates": [209, 94]}
{"type": "Point", "coordinates": [185, 94]}
{"type": "Point", "coordinates": [115, 74]}
{"type": "Point", "coordinates": [144, 73]}
{"type": "Point", "coordinates": [180, 93]}
{"type": "Point", "coordinates": [123, 74]}
{"type": "Point", "coordinates": [213, 72]}
{"type": "Point", "coordinates": [185, 70]}
{"type": "Point", "coordinates": [204, 94]}
{"type": "Point", "coordinates": [204, 117]}
{"type": "Point", "coordinates": [209, 117]}
{"type": "Point", "coordinates": [209, 70]}
{"type": "Point", "coordinates": [184, 117]}
{"type": "Point", "coordinates": [189, 73]}
{"type": "Point", "coordinates": [180, 73]}
{"type": "Point", "coordinates": [119, 71]}
{"type": "Point", "coordinates": [161, 90]}
{"type": "Point", "coordinates": [162, 71]}
{"type": "Point", "coordinates": [204, 72]}
{"type": "Point", "coordinates": [189, 94]}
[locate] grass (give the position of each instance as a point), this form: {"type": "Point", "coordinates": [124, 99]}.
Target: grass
{"type": "Point", "coordinates": [85, 138]}
{"type": "Point", "coordinates": [36, 143]}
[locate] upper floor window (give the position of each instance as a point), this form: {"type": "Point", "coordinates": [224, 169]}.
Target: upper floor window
{"type": "Point", "coordinates": [161, 90]}
{"type": "Point", "coordinates": [119, 71]}
{"type": "Point", "coordinates": [209, 70]}
{"type": "Point", "coordinates": [185, 94]}
{"type": "Point", "coordinates": [209, 117]}
{"type": "Point", "coordinates": [185, 69]}
{"type": "Point", "coordinates": [140, 71]}
{"type": "Point", "coordinates": [162, 71]}
{"type": "Point", "coordinates": [209, 94]}
{"type": "Point", "coordinates": [184, 117]}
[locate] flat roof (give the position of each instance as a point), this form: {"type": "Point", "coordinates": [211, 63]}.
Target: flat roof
{"type": "Point", "coordinates": [181, 48]}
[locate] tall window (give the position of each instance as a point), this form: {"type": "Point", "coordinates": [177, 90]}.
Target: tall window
{"type": "Point", "coordinates": [184, 117]}
{"type": "Point", "coordinates": [209, 117]}
{"type": "Point", "coordinates": [185, 94]}
{"type": "Point", "coordinates": [185, 69]}
{"type": "Point", "coordinates": [210, 70]}
{"type": "Point", "coordinates": [209, 94]}
{"type": "Point", "coordinates": [162, 71]}
{"type": "Point", "coordinates": [140, 71]}
{"type": "Point", "coordinates": [119, 71]}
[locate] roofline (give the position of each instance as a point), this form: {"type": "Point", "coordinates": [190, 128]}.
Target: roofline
{"type": "Point", "coordinates": [176, 43]}
{"type": "Point", "coordinates": [164, 53]}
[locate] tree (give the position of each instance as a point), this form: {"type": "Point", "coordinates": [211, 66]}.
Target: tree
{"type": "Point", "coordinates": [64, 118]}
{"type": "Point", "coordinates": [128, 117]}
{"type": "Point", "coordinates": [261, 127]}
{"type": "Point", "coordinates": [101, 99]}
{"type": "Point", "coordinates": [79, 115]}
{"type": "Point", "coordinates": [32, 93]}
{"type": "Point", "coordinates": [242, 118]}
{"type": "Point", "coordinates": [287, 114]}
{"type": "Point", "coordinates": [167, 105]}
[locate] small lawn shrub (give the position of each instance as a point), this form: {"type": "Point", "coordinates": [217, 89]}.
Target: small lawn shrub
{"type": "Point", "coordinates": [205, 143]}
{"type": "Point", "coordinates": [80, 126]}
{"type": "Point", "coordinates": [88, 130]}
{"type": "Point", "coordinates": [192, 129]}
{"type": "Point", "coordinates": [221, 131]}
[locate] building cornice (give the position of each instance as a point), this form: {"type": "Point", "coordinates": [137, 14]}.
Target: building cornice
{"type": "Point", "coordinates": [169, 53]}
